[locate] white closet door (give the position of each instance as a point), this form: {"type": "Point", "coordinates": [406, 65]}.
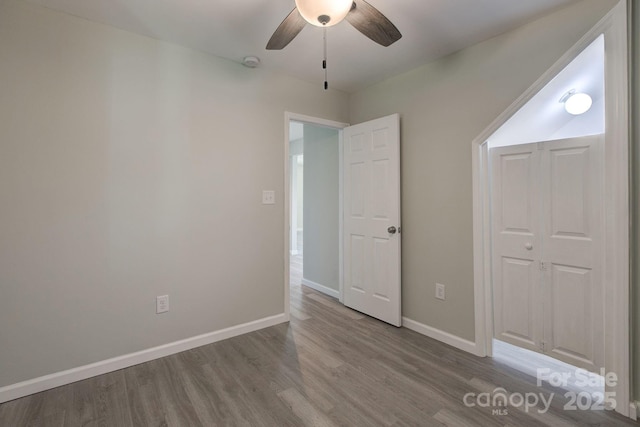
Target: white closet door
{"type": "Point", "coordinates": [547, 223]}
{"type": "Point", "coordinates": [572, 251]}
{"type": "Point", "coordinates": [517, 278]}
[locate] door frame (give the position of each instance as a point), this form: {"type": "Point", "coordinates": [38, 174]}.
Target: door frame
{"type": "Point", "coordinates": [288, 118]}
{"type": "Point", "coordinates": [616, 228]}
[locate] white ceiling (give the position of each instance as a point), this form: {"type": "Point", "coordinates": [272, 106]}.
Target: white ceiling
{"type": "Point", "coordinates": [235, 28]}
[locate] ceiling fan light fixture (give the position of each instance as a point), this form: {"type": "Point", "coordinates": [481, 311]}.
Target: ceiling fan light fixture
{"type": "Point", "coordinates": [324, 13]}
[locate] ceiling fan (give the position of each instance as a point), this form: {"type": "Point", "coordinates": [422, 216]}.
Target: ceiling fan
{"type": "Point", "coordinates": [325, 13]}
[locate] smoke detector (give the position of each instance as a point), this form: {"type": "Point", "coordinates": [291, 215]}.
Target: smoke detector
{"type": "Point", "coordinates": [251, 61]}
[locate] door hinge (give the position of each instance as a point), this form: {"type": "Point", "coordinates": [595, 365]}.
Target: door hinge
{"type": "Point", "coordinates": [543, 265]}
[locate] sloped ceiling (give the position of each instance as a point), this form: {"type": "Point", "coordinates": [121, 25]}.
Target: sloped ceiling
{"type": "Point", "coordinates": [544, 117]}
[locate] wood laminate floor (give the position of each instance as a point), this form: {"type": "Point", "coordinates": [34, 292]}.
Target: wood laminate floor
{"type": "Point", "coordinates": [330, 366]}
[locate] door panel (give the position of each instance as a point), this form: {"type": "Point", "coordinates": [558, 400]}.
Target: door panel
{"type": "Point", "coordinates": [569, 192]}
{"type": "Point", "coordinates": [380, 187]}
{"type": "Point", "coordinates": [372, 205]}
{"type": "Point", "coordinates": [356, 261]}
{"type": "Point", "coordinates": [572, 242]}
{"type": "Point", "coordinates": [517, 190]}
{"type": "Point", "coordinates": [518, 299]}
{"type": "Point", "coordinates": [516, 277]}
{"type": "Point", "coordinates": [357, 190]}
{"type": "Point", "coordinates": [381, 279]}
{"type": "Point", "coordinates": [571, 303]}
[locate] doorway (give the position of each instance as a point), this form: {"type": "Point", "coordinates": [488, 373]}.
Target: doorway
{"type": "Point", "coordinates": [547, 256]}
{"type": "Point", "coordinates": [313, 250]}
{"type": "Point", "coordinates": [546, 169]}
{"type": "Point", "coordinates": [368, 238]}
{"type": "Point", "coordinates": [547, 248]}
{"type": "Point", "coordinates": [314, 152]}
{"type": "Point", "coordinates": [615, 263]}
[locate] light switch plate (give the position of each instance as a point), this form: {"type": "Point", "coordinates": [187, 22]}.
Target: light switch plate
{"type": "Point", "coordinates": [162, 304]}
{"type": "Point", "coordinates": [268, 197]}
{"type": "Point", "coordinates": [439, 291]}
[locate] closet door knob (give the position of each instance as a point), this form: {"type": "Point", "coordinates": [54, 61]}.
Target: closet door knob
{"type": "Point", "coordinates": [391, 230]}
{"type": "Point", "coordinates": [528, 246]}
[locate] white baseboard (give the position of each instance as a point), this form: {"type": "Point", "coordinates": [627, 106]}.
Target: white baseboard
{"type": "Point", "coordinates": [437, 334]}
{"type": "Point", "coordinates": [633, 410]}
{"type": "Point", "coordinates": [58, 379]}
{"type": "Point", "coordinates": [321, 288]}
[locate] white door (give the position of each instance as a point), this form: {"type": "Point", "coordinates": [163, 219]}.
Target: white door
{"type": "Point", "coordinates": [547, 205]}
{"type": "Point", "coordinates": [372, 218]}
{"type": "Point", "coordinates": [515, 218]}
{"type": "Point", "coordinates": [572, 251]}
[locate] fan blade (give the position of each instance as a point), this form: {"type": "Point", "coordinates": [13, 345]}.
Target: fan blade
{"type": "Point", "coordinates": [373, 24]}
{"type": "Point", "coordinates": [287, 30]}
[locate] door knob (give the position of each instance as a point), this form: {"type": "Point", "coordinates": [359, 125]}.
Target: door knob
{"type": "Point", "coordinates": [529, 246]}
{"type": "Point", "coordinates": [391, 230]}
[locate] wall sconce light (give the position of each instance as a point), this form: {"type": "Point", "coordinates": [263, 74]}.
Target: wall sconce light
{"type": "Point", "coordinates": [576, 103]}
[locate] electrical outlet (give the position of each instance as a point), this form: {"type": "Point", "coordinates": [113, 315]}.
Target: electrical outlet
{"type": "Point", "coordinates": [162, 304]}
{"type": "Point", "coordinates": [439, 291]}
{"type": "Point", "coordinates": [268, 197]}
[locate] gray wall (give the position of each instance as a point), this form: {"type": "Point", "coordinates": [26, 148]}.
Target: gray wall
{"type": "Point", "coordinates": [131, 168]}
{"type": "Point", "coordinates": [444, 106]}
{"type": "Point", "coordinates": [128, 170]}
{"type": "Point", "coordinates": [321, 205]}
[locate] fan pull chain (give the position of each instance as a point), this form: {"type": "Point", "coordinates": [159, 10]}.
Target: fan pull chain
{"type": "Point", "coordinates": [324, 61]}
